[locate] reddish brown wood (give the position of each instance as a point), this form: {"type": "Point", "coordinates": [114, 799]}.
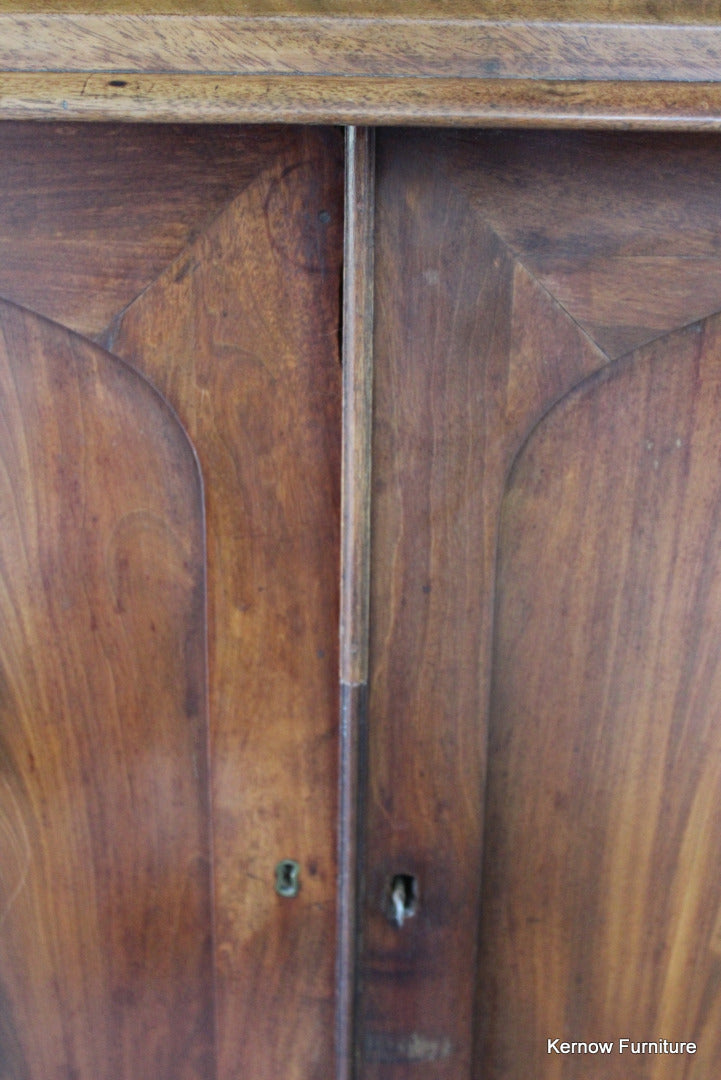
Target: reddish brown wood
{"type": "Point", "coordinates": [601, 894]}
{"type": "Point", "coordinates": [500, 257]}
{"type": "Point", "coordinates": [463, 343]}
{"type": "Point", "coordinates": [470, 349]}
{"type": "Point", "coordinates": [105, 965]}
{"type": "Point", "coordinates": [91, 215]}
{"type": "Point", "coordinates": [242, 333]}
{"type": "Point", "coordinates": [622, 230]}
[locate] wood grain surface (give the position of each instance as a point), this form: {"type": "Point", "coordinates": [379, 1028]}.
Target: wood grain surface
{"type": "Point", "coordinates": [105, 961]}
{"type": "Point", "coordinates": [394, 46]}
{"type": "Point", "coordinates": [358, 301]}
{"type": "Point", "coordinates": [475, 339]}
{"type": "Point", "coordinates": [288, 99]}
{"type": "Point", "coordinates": [90, 216]}
{"type": "Point", "coordinates": [469, 352]}
{"type": "Point", "coordinates": [636, 11]}
{"type": "Point", "coordinates": [242, 335]}
{"type": "Point", "coordinates": [354, 605]}
{"type": "Point", "coordinates": [627, 62]}
{"type": "Point", "coordinates": [509, 267]}
{"type": "Point", "coordinates": [623, 231]}
{"type": "Point", "coordinates": [600, 885]}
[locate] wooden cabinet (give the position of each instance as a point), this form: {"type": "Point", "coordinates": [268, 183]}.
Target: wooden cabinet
{"type": "Point", "coordinates": [544, 605]}
{"type": "Point", "coordinates": [359, 606]}
{"type": "Point", "coordinates": [169, 599]}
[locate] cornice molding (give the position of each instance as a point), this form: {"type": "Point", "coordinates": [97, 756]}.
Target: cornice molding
{"type": "Point", "coordinates": [359, 69]}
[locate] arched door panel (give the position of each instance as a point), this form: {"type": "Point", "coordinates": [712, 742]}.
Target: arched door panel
{"type": "Point", "coordinates": [105, 915]}
{"type": "Point", "coordinates": [601, 885]}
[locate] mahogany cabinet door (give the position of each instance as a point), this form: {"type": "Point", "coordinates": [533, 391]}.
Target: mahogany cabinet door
{"type": "Point", "coordinates": [543, 794]}
{"type": "Point", "coordinates": [168, 600]}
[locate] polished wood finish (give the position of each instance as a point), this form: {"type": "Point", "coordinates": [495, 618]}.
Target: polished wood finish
{"type": "Point", "coordinates": [600, 881]}
{"type": "Point", "coordinates": [358, 295]}
{"type": "Point", "coordinates": [232, 308]}
{"type": "Point", "coordinates": [90, 216]}
{"type": "Point", "coordinates": [699, 12]}
{"type": "Point", "coordinates": [105, 847]}
{"type": "Point", "coordinates": [510, 267]}
{"type": "Point", "coordinates": [454, 62]}
{"type": "Point", "coordinates": [500, 257]}
{"type": "Point", "coordinates": [622, 231]}
{"type": "Point", "coordinates": [346, 100]}
{"type": "Point", "coordinates": [358, 299]}
{"type": "Point", "coordinates": [241, 333]}
{"type": "Point", "coordinates": [462, 332]}
{"type": "Point", "coordinates": [388, 46]}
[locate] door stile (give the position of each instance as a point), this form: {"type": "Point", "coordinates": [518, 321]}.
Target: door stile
{"type": "Point", "coordinates": [357, 352]}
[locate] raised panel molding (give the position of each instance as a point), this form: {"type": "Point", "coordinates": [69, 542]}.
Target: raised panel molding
{"type": "Point", "coordinates": [600, 883]}
{"type": "Point", "coordinates": [105, 835]}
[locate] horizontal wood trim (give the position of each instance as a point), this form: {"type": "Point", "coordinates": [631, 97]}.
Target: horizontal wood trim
{"type": "Point", "coordinates": [379, 47]}
{"type": "Point", "coordinates": [638, 11]}
{"type": "Point", "coordinates": [288, 99]}
{"type": "Point", "coordinates": [434, 64]}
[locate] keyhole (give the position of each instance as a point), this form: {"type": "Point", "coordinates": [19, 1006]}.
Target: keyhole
{"type": "Point", "coordinates": [402, 898]}
{"type": "Point", "coordinates": [287, 878]}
